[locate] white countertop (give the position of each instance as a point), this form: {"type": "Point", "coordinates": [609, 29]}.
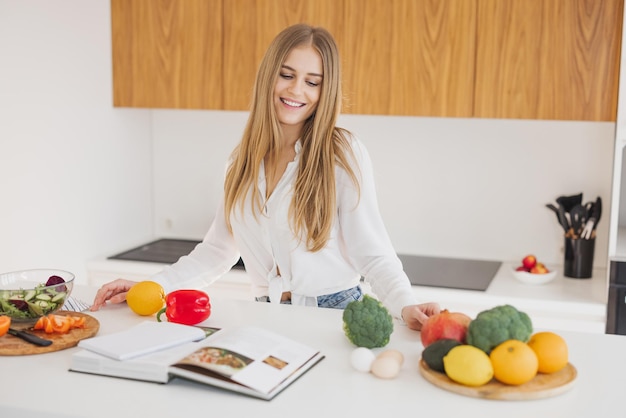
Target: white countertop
{"type": "Point", "coordinates": [564, 303]}
{"type": "Point", "coordinates": [41, 385]}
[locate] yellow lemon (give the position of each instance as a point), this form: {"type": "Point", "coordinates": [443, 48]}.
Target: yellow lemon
{"type": "Point", "coordinates": [146, 298]}
{"type": "Point", "coordinates": [468, 365]}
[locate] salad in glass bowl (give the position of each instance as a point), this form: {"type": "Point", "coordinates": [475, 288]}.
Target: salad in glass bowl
{"type": "Point", "coordinates": [27, 295]}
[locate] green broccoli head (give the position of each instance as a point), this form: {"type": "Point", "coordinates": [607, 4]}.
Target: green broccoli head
{"type": "Point", "coordinates": [496, 325]}
{"type": "Point", "coordinates": [367, 323]}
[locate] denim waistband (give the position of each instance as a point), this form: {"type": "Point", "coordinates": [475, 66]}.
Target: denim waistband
{"type": "Point", "coordinates": [338, 300]}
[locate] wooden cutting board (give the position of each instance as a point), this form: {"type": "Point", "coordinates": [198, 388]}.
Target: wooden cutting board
{"type": "Point", "coordinates": [542, 386]}
{"type": "Point", "coordinates": [14, 346]}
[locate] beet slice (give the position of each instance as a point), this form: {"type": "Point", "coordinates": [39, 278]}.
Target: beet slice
{"type": "Point", "coordinates": [54, 280]}
{"type": "Point", "coordinates": [19, 304]}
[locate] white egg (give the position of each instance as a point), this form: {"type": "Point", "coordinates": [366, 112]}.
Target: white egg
{"type": "Point", "coordinates": [395, 354]}
{"type": "Point", "coordinates": [385, 367]}
{"type": "Point", "coordinates": [361, 359]}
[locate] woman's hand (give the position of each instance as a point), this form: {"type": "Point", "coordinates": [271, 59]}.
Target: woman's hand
{"type": "Point", "coordinates": [114, 292]}
{"type": "Point", "coordinates": [415, 315]}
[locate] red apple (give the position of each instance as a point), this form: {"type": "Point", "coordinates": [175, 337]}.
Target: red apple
{"type": "Point", "coordinates": [539, 268]}
{"type": "Point", "coordinates": [522, 268]}
{"type": "Point", "coordinates": [529, 261]}
{"type": "Point", "coordinates": [452, 325]}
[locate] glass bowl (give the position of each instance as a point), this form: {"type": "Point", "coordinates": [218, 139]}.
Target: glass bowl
{"type": "Point", "coordinates": [27, 295]}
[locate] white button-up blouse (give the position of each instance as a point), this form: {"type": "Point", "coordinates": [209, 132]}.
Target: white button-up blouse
{"type": "Point", "coordinates": [359, 246]}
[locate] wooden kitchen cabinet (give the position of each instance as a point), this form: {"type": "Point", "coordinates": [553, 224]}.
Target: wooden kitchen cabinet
{"type": "Point", "coordinates": [167, 54]}
{"type": "Point", "coordinates": [383, 66]}
{"type": "Point", "coordinates": [406, 62]}
{"type": "Point", "coordinates": [548, 59]}
{"type": "Point", "coordinates": [534, 59]}
{"type": "Point", "coordinates": [407, 57]}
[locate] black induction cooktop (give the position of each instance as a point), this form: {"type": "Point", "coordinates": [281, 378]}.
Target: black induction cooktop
{"type": "Point", "coordinates": [164, 250]}
{"type": "Point", "coordinates": [453, 273]}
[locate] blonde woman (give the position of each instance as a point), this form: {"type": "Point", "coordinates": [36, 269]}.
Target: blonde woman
{"type": "Point", "coordinates": [299, 202]}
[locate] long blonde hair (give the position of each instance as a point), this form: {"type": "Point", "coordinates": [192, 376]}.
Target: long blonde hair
{"type": "Point", "coordinates": [324, 145]}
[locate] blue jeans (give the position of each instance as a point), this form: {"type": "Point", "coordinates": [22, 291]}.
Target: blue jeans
{"type": "Point", "coordinates": [337, 300]}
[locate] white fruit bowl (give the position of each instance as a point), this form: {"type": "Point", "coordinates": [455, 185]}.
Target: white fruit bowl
{"type": "Point", "coordinates": [530, 278]}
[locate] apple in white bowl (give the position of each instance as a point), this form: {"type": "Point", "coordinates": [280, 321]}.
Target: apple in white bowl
{"type": "Point", "coordinates": [532, 271]}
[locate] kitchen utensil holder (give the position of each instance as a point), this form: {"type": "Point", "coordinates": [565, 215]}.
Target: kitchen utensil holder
{"type": "Point", "coordinates": [578, 263]}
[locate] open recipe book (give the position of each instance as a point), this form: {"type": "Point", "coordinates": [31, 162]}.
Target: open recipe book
{"type": "Point", "coordinates": [249, 360]}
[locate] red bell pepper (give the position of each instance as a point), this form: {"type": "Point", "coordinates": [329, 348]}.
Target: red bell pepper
{"type": "Point", "coordinates": [186, 306]}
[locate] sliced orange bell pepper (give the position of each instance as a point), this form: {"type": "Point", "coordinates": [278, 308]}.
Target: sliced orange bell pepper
{"type": "Point", "coordinates": [78, 322]}
{"type": "Point", "coordinates": [41, 323]}
{"type": "Point", "coordinates": [5, 323]}
{"type": "Point", "coordinates": [60, 324]}
{"type": "Point", "coordinates": [47, 327]}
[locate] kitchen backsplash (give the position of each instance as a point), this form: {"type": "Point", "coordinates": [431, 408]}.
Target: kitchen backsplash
{"type": "Point", "coordinates": [467, 188]}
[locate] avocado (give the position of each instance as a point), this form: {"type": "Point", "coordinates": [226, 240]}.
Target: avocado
{"type": "Point", "coordinates": [433, 354]}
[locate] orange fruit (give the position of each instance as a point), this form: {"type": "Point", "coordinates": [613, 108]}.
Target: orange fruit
{"type": "Point", "coordinates": [551, 351]}
{"type": "Point", "coordinates": [514, 362]}
{"type": "Point", "coordinates": [146, 298]}
{"type": "Point", "coordinates": [5, 323]}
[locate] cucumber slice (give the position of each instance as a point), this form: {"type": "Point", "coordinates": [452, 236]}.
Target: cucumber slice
{"type": "Point", "coordinates": [43, 296]}
{"type": "Point", "coordinates": [29, 295]}
{"type": "Point", "coordinates": [34, 309]}
{"type": "Point", "coordinates": [59, 297]}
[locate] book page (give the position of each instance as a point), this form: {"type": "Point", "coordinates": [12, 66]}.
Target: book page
{"type": "Point", "coordinates": [141, 339]}
{"type": "Point", "coordinates": [253, 357]}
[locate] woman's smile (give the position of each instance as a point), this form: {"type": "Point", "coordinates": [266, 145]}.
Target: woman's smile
{"type": "Point", "coordinates": [291, 103]}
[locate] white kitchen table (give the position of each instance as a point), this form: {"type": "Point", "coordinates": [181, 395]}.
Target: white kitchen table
{"type": "Point", "coordinates": [41, 385]}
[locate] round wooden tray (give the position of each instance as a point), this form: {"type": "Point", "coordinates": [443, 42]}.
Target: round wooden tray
{"type": "Point", "coordinates": [14, 346]}
{"type": "Point", "coordinates": [542, 386]}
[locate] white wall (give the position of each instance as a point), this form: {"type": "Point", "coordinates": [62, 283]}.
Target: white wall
{"type": "Point", "coordinates": [468, 188]}
{"type": "Point", "coordinates": [80, 179]}
{"type": "Point", "coordinates": [190, 152]}
{"type": "Point", "coordinates": [75, 173]}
